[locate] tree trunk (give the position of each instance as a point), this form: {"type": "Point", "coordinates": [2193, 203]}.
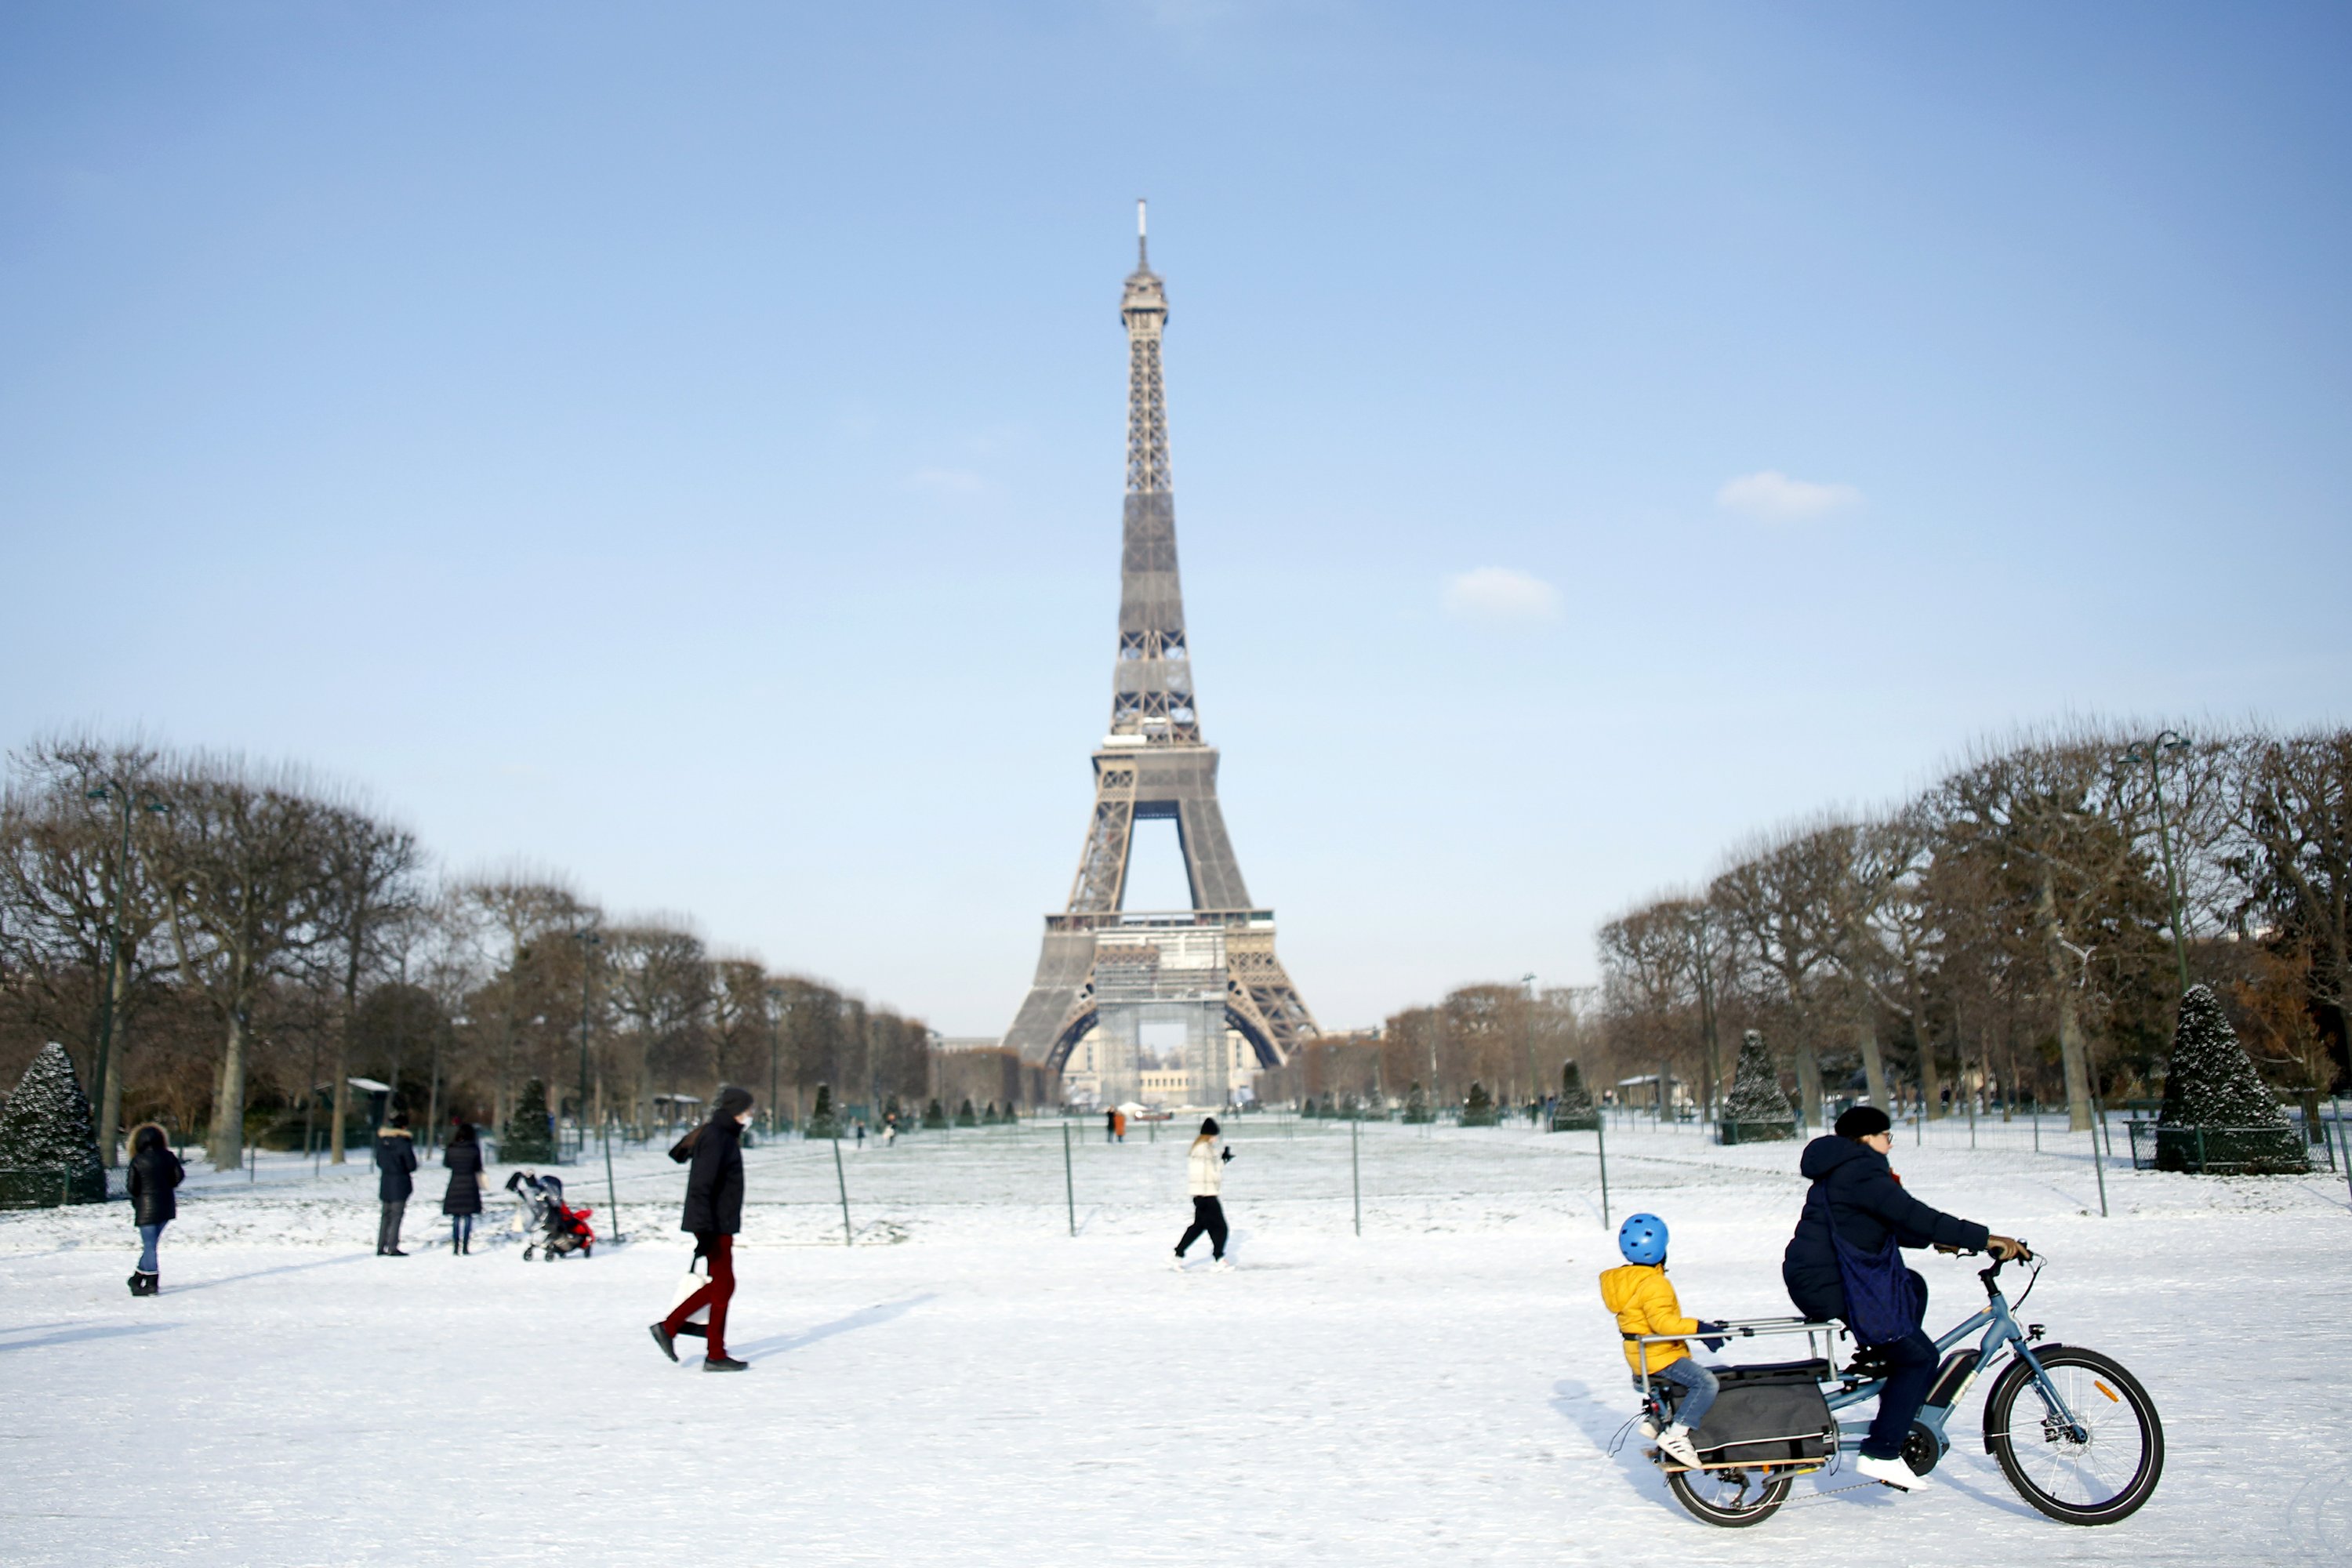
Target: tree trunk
{"type": "Point", "coordinates": [1873, 1062]}
{"type": "Point", "coordinates": [1931, 1075]}
{"type": "Point", "coordinates": [1809, 1086]}
{"type": "Point", "coordinates": [2072, 1052]}
{"type": "Point", "coordinates": [226, 1145]}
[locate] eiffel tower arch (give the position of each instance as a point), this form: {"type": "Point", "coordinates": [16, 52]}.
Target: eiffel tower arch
{"type": "Point", "coordinates": [1107, 972]}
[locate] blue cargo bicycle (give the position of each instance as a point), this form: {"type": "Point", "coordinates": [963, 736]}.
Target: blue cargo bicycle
{"type": "Point", "coordinates": [2074, 1432]}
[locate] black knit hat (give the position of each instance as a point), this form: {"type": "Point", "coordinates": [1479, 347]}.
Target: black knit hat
{"type": "Point", "coordinates": [732, 1102]}
{"type": "Point", "coordinates": [1861, 1122]}
{"type": "Point", "coordinates": [1207, 1127]}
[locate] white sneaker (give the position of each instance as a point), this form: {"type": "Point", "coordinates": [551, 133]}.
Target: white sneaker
{"type": "Point", "coordinates": [1221, 1266]}
{"type": "Point", "coordinates": [1176, 1262]}
{"type": "Point", "coordinates": [1676, 1444]}
{"type": "Point", "coordinates": [1894, 1472]}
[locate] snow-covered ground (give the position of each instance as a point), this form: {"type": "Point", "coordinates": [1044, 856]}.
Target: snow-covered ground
{"type": "Point", "coordinates": [970, 1384]}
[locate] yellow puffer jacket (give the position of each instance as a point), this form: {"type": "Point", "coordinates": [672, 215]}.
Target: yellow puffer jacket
{"type": "Point", "coordinates": [1646, 1304]}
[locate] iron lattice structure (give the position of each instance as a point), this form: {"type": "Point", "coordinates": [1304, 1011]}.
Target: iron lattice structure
{"type": "Point", "coordinates": [1153, 765]}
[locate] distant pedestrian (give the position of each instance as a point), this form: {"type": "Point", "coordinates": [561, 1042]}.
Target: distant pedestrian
{"type": "Point", "coordinates": [395, 1159]}
{"type": "Point", "coordinates": [859, 1127]}
{"type": "Point", "coordinates": [713, 1153]}
{"type": "Point", "coordinates": [1204, 1174]}
{"type": "Point", "coordinates": [1111, 1125]}
{"type": "Point", "coordinates": [463, 1201]}
{"type": "Point", "coordinates": [155, 1171]}
{"type": "Point", "coordinates": [1118, 1124]}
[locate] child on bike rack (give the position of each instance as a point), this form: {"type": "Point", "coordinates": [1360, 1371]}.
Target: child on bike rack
{"type": "Point", "coordinates": [1645, 1303]}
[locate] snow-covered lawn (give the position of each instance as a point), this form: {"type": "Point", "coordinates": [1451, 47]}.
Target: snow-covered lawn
{"type": "Point", "coordinates": [970, 1384]}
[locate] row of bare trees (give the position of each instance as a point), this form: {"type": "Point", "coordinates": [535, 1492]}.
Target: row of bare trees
{"type": "Point", "coordinates": [2010, 932]}
{"type": "Point", "coordinates": [226, 947]}
{"type": "Point", "coordinates": [1509, 1038]}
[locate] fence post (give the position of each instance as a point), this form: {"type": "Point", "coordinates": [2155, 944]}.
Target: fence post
{"type": "Point", "coordinates": [2201, 1150]}
{"type": "Point", "coordinates": [1356, 1175]}
{"type": "Point", "coordinates": [1069, 1185]}
{"type": "Point", "coordinates": [1601, 1134]}
{"type": "Point", "coordinates": [2100, 1168]}
{"type": "Point", "coordinates": [2037, 1124]}
{"type": "Point", "coordinates": [2344, 1139]}
{"type": "Point", "coordinates": [842, 1181]}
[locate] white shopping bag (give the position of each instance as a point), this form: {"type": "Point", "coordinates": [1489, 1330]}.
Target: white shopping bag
{"type": "Point", "coordinates": [687, 1284]}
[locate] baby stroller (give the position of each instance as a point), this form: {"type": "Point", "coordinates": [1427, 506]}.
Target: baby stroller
{"type": "Point", "coordinates": [553, 1227]}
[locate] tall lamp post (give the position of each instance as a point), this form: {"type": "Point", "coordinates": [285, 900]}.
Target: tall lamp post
{"type": "Point", "coordinates": [775, 1045]}
{"type": "Point", "coordinates": [2152, 753]}
{"type": "Point", "coordinates": [1695, 922]}
{"type": "Point", "coordinates": [1535, 1084]}
{"type": "Point", "coordinates": [589, 941]}
{"type": "Point", "coordinates": [124, 798]}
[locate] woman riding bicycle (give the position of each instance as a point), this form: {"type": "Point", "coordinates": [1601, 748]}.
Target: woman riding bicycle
{"type": "Point", "coordinates": [1842, 1263]}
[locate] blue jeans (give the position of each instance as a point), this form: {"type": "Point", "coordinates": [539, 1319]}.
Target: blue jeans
{"type": "Point", "coordinates": [461, 1229]}
{"type": "Point", "coordinates": [1699, 1388]}
{"type": "Point", "coordinates": [148, 1235]}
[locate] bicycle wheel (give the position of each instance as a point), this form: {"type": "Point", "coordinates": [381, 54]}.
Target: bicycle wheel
{"type": "Point", "coordinates": [1732, 1499]}
{"type": "Point", "coordinates": [2097, 1471]}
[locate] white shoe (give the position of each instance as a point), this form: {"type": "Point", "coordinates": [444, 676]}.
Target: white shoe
{"type": "Point", "coordinates": [1221, 1266]}
{"type": "Point", "coordinates": [1676, 1444]}
{"type": "Point", "coordinates": [1894, 1472]}
{"type": "Point", "coordinates": [1176, 1262]}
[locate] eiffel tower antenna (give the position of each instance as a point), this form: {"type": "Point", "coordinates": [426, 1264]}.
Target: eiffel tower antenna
{"type": "Point", "coordinates": [1106, 971]}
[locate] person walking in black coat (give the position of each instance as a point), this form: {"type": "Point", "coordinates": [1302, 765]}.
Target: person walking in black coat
{"type": "Point", "coordinates": [713, 1153]}
{"type": "Point", "coordinates": [395, 1160]}
{"type": "Point", "coordinates": [463, 1201]}
{"type": "Point", "coordinates": [155, 1171]}
{"type": "Point", "coordinates": [1843, 1263]}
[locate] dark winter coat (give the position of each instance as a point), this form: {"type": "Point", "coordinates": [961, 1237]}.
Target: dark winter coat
{"type": "Point", "coordinates": [1854, 1190]}
{"type": "Point", "coordinates": [465, 1162]}
{"type": "Point", "coordinates": [153, 1174]}
{"type": "Point", "coordinates": [714, 1180]}
{"type": "Point", "coordinates": [396, 1156]}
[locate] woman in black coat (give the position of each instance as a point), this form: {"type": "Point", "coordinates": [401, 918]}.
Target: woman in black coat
{"type": "Point", "coordinates": [463, 1201]}
{"type": "Point", "coordinates": [1856, 1207]}
{"type": "Point", "coordinates": [155, 1171]}
{"type": "Point", "coordinates": [714, 1212]}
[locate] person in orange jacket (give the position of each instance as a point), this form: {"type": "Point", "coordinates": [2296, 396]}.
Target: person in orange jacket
{"type": "Point", "coordinates": [1644, 1303]}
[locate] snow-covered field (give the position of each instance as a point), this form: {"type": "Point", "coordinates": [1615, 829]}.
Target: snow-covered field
{"type": "Point", "coordinates": [970, 1384]}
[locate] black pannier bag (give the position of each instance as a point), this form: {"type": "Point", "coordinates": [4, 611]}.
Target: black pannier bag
{"type": "Point", "coordinates": [1768, 1414]}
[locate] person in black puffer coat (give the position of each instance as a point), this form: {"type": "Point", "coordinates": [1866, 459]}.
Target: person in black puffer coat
{"type": "Point", "coordinates": [463, 1201]}
{"type": "Point", "coordinates": [714, 1212]}
{"type": "Point", "coordinates": [1857, 1193]}
{"type": "Point", "coordinates": [155, 1171]}
{"type": "Point", "coordinates": [395, 1157]}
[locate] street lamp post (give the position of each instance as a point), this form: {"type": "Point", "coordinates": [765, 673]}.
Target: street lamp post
{"type": "Point", "coordinates": [1535, 1084]}
{"type": "Point", "coordinates": [2152, 753]}
{"type": "Point", "coordinates": [1695, 922]}
{"type": "Point", "coordinates": [775, 1043]}
{"type": "Point", "coordinates": [589, 941]}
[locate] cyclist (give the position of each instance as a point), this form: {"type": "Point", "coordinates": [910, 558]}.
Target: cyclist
{"type": "Point", "coordinates": [1842, 1263]}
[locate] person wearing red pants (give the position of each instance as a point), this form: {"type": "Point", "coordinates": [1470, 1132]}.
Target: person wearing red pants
{"type": "Point", "coordinates": [713, 1153]}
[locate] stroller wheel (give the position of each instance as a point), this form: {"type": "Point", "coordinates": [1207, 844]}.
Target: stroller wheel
{"type": "Point", "coordinates": [584, 1251]}
{"type": "Point", "coordinates": [526, 1254]}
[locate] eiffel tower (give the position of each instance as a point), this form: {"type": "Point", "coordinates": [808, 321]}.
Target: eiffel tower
{"type": "Point", "coordinates": [1107, 972]}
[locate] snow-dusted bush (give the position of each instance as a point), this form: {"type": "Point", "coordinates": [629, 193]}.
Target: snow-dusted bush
{"type": "Point", "coordinates": [530, 1135]}
{"type": "Point", "coordinates": [2219, 1115]}
{"type": "Point", "coordinates": [48, 1145]}
{"type": "Point", "coordinates": [1758, 1111]}
{"type": "Point", "coordinates": [1574, 1111]}
{"type": "Point", "coordinates": [1478, 1110]}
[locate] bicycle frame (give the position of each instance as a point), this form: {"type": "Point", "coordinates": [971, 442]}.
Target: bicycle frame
{"type": "Point", "coordinates": [2000, 1330]}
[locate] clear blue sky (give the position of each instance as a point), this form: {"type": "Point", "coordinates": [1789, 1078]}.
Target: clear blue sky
{"type": "Point", "coordinates": [682, 444]}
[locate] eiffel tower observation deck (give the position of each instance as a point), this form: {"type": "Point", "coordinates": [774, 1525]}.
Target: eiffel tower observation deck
{"type": "Point", "coordinates": [1108, 972]}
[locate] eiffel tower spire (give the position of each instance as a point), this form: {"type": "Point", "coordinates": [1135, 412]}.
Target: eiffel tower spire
{"type": "Point", "coordinates": [1104, 970]}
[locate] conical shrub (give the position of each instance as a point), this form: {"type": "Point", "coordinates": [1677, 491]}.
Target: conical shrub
{"type": "Point", "coordinates": [1574, 1111]}
{"type": "Point", "coordinates": [530, 1135]}
{"type": "Point", "coordinates": [822, 1121]}
{"type": "Point", "coordinates": [1478, 1110]}
{"type": "Point", "coordinates": [1757, 1110]}
{"type": "Point", "coordinates": [2219, 1115]}
{"type": "Point", "coordinates": [48, 1145]}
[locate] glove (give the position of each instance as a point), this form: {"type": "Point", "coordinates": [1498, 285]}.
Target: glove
{"type": "Point", "coordinates": [2004, 1248]}
{"type": "Point", "coordinates": [1711, 1335]}
{"type": "Point", "coordinates": [1228, 1155]}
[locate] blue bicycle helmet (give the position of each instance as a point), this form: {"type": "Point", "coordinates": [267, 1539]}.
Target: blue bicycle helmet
{"type": "Point", "coordinates": [1642, 1239]}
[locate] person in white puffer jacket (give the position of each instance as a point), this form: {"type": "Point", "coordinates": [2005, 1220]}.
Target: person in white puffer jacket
{"type": "Point", "coordinates": [1204, 1174]}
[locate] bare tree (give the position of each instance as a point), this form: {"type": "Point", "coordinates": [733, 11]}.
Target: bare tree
{"type": "Point", "coordinates": [372, 869]}
{"type": "Point", "coordinates": [244, 870]}
{"type": "Point", "coordinates": [2291, 808]}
